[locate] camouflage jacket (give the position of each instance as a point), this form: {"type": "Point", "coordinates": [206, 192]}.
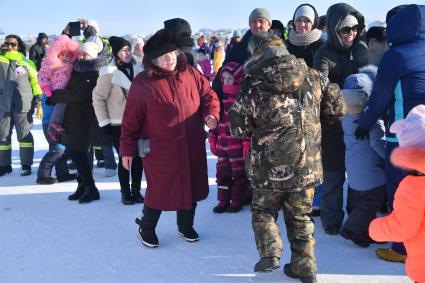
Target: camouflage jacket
{"type": "Point", "coordinates": [281, 106]}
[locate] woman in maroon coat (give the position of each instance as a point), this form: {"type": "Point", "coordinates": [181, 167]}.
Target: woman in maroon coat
{"type": "Point", "coordinates": [168, 105]}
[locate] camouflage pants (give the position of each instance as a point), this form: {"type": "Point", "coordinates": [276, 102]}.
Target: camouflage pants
{"type": "Point", "coordinates": [299, 226]}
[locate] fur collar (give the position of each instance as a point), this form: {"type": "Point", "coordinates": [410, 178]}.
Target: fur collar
{"type": "Point", "coordinates": [118, 77]}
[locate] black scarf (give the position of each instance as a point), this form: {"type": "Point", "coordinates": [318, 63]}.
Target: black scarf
{"type": "Point", "coordinates": [83, 66]}
{"type": "Point", "coordinates": [125, 67]}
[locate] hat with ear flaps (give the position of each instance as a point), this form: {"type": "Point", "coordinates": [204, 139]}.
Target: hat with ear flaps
{"type": "Point", "coordinates": [162, 42]}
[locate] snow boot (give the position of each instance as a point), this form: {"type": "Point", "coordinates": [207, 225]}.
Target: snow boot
{"type": "Point", "coordinates": [25, 170]}
{"type": "Point", "coordinates": [126, 197]}
{"type": "Point", "coordinates": [79, 192]}
{"type": "Point", "coordinates": [185, 224]}
{"type": "Point", "coordinates": [267, 264]}
{"type": "Point", "coordinates": [135, 192]}
{"type": "Point", "coordinates": [234, 207]}
{"type": "Point", "coordinates": [5, 170]}
{"type": "Point", "coordinates": [66, 177]}
{"type": "Point", "coordinates": [287, 269]}
{"type": "Point", "coordinates": [359, 240]}
{"type": "Point", "coordinates": [221, 207]}
{"type": "Point", "coordinates": [90, 193]}
{"type": "Point", "coordinates": [147, 224]}
{"type": "Point", "coordinates": [46, 180]}
{"type": "Point", "coordinates": [390, 255]}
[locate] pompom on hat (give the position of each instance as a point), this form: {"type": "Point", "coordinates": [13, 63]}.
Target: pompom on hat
{"type": "Point", "coordinates": [162, 42]}
{"type": "Point", "coordinates": [411, 130]}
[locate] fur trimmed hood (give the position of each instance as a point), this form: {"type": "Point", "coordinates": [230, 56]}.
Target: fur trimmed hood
{"type": "Point", "coordinates": [61, 43]}
{"type": "Point", "coordinates": [409, 158]}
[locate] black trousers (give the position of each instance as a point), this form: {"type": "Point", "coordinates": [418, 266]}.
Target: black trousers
{"type": "Point", "coordinates": [362, 207]}
{"type": "Point", "coordinates": [136, 167]}
{"type": "Point", "coordinates": [81, 161]}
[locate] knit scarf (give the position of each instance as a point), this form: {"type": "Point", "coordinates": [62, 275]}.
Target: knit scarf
{"type": "Point", "coordinates": [304, 39]}
{"type": "Point", "coordinates": [127, 69]}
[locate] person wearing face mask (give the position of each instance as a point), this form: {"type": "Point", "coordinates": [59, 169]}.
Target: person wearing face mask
{"type": "Point", "coordinates": [19, 95]}
{"type": "Point", "coordinates": [342, 55]}
{"type": "Point", "coordinates": [304, 39]}
{"type": "Point", "coordinates": [109, 100]}
{"type": "Point", "coordinates": [79, 118]}
{"type": "Point", "coordinates": [168, 105]}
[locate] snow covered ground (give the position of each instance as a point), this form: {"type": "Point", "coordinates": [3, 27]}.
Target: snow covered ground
{"type": "Point", "coordinates": [46, 238]}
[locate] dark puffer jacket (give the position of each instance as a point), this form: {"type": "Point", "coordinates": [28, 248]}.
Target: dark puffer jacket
{"type": "Point", "coordinates": [333, 59]}
{"type": "Point", "coordinates": [337, 62]}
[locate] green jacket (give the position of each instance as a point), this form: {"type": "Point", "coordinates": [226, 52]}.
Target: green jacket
{"type": "Point", "coordinates": [18, 83]}
{"type": "Point", "coordinates": [281, 107]}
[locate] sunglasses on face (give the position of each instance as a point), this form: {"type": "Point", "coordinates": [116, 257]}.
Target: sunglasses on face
{"type": "Point", "coordinates": [347, 30]}
{"type": "Point", "coordinates": [13, 44]}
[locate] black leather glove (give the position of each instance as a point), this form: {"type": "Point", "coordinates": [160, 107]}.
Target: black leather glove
{"type": "Point", "coordinates": [361, 134]}
{"type": "Point", "coordinates": [107, 130]}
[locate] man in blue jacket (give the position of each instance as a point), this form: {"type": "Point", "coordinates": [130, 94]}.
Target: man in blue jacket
{"type": "Point", "coordinates": [399, 86]}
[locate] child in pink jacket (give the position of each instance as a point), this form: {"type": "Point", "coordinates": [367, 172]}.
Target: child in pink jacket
{"type": "Point", "coordinates": [407, 221]}
{"type": "Point", "coordinates": [54, 74]}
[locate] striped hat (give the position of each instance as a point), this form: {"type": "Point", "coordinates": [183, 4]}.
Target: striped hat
{"type": "Point", "coordinates": [235, 69]}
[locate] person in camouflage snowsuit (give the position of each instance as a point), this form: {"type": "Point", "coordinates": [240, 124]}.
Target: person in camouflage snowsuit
{"type": "Point", "coordinates": [282, 106]}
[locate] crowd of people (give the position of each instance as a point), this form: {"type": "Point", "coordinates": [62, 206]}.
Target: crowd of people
{"type": "Point", "coordinates": [293, 114]}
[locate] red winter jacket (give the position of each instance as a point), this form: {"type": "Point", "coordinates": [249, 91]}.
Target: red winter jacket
{"type": "Point", "coordinates": [170, 112]}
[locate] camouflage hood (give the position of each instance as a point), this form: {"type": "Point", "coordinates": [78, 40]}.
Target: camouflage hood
{"type": "Point", "coordinates": [277, 70]}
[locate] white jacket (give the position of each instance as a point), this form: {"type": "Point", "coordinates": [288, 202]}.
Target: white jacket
{"type": "Point", "coordinates": [110, 94]}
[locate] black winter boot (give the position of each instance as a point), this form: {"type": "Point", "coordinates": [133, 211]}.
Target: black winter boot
{"type": "Point", "coordinates": [90, 193]}
{"type": "Point", "coordinates": [5, 170]}
{"type": "Point", "coordinates": [46, 180]}
{"type": "Point", "coordinates": [147, 224]}
{"type": "Point", "coordinates": [135, 192]}
{"type": "Point", "coordinates": [79, 192]}
{"type": "Point", "coordinates": [267, 264]}
{"type": "Point", "coordinates": [287, 269]}
{"type": "Point", "coordinates": [126, 197]}
{"type": "Point", "coordinates": [185, 224]}
{"type": "Point", "coordinates": [66, 177]}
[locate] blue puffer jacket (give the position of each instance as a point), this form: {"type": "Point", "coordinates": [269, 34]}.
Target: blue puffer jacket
{"type": "Point", "coordinates": [400, 82]}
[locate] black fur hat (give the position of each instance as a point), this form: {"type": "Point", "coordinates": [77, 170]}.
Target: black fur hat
{"type": "Point", "coordinates": [181, 31]}
{"type": "Point", "coordinates": [162, 42]}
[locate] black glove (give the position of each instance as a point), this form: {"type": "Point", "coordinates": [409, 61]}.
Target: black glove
{"type": "Point", "coordinates": [35, 100]}
{"type": "Point", "coordinates": [361, 134]}
{"type": "Point", "coordinates": [107, 130]}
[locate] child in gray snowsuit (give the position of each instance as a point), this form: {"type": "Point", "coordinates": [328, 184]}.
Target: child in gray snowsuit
{"type": "Point", "coordinates": [364, 160]}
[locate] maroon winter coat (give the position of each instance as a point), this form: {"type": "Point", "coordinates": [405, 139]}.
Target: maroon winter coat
{"type": "Point", "coordinates": [170, 112]}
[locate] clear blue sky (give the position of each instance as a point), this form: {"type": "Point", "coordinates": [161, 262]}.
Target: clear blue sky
{"type": "Point", "coordinates": [28, 17]}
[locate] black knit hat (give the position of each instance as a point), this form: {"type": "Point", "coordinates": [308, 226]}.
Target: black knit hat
{"type": "Point", "coordinates": [162, 42]}
{"type": "Point", "coordinates": [379, 33]}
{"type": "Point", "coordinates": [117, 43]}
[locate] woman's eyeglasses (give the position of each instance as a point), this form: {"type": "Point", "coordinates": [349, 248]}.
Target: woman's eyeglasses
{"type": "Point", "coordinates": [347, 30]}
{"type": "Point", "coordinates": [13, 44]}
